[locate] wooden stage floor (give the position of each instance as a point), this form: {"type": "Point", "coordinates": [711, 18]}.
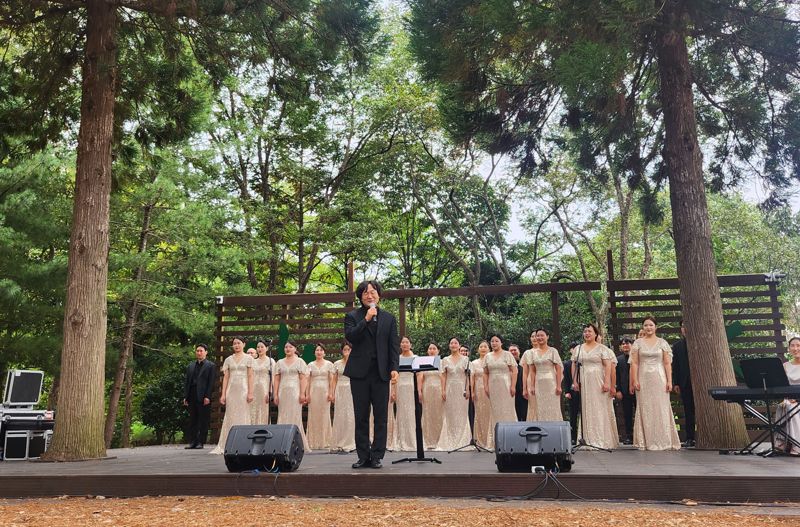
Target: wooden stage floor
{"type": "Point", "coordinates": [623, 474]}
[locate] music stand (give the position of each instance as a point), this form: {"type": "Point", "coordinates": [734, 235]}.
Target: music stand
{"type": "Point", "coordinates": [763, 374]}
{"type": "Point", "coordinates": [416, 365]}
{"type": "Point", "coordinates": [470, 411]}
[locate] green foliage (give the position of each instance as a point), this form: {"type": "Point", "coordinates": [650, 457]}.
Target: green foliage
{"type": "Point", "coordinates": [161, 407]}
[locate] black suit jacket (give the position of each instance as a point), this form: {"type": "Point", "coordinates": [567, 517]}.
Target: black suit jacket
{"type": "Point", "coordinates": [382, 337]}
{"type": "Point", "coordinates": [205, 380]}
{"type": "Point", "coordinates": [566, 383]}
{"type": "Point", "coordinates": [680, 365]}
{"type": "Point", "coordinates": [623, 375]}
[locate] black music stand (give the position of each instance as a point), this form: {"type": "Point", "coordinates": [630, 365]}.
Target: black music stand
{"type": "Point", "coordinates": [582, 443]}
{"type": "Point", "coordinates": [416, 365]}
{"type": "Point", "coordinates": [763, 374]}
{"type": "Point", "coordinates": [470, 412]}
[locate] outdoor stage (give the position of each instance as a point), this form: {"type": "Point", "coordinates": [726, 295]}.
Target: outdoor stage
{"type": "Point", "coordinates": [622, 474]}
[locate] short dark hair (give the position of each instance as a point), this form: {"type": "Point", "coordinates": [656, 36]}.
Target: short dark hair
{"type": "Point", "coordinates": [594, 327]}
{"type": "Point", "coordinates": [240, 339]}
{"type": "Point", "coordinates": [320, 345]}
{"type": "Point", "coordinates": [651, 318]}
{"type": "Point", "coordinates": [627, 339]}
{"type": "Point", "coordinates": [537, 330]}
{"type": "Point", "coordinates": [493, 335]}
{"type": "Point", "coordinates": [512, 345]}
{"type": "Point", "coordinates": [201, 345]}
{"type": "Point", "coordinates": [363, 287]}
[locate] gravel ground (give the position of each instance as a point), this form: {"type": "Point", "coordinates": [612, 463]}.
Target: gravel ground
{"type": "Point", "coordinates": [304, 512]}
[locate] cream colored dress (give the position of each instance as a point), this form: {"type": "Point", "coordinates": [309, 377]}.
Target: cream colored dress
{"type": "Point", "coordinates": [455, 425]}
{"type": "Point", "coordinates": [405, 426]}
{"type": "Point", "coordinates": [259, 409]}
{"type": "Point", "coordinates": [654, 422]}
{"type": "Point", "coordinates": [500, 398]}
{"type": "Point", "coordinates": [432, 409]}
{"type": "Point", "coordinates": [319, 429]}
{"type": "Point", "coordinates": [547, 404]}
{"type": "Point", "coordinates": [483, 409]}
{"type": "Point", "coordinates": [237, 409]}
{"type": "Point", "coordinates": [598, 423]}
{"type": "Point", "coordinates": [290, 411]}
{"type": "Point", "coordinates": [793, 426]}
{"type": "Point", "coordinates": [344, 421]}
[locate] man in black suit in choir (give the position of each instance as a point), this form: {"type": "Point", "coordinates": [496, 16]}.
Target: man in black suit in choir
{"type": "Point", "coordinates": [200, 377]}
{"type": "Point", "coordinates": [573, 399]}
{"type": "Point", "coordinates": [623, 395]}
{"type": "Point", "coordinates": [372, 365]}
{"type": "Point", "coordinates": [682, 384]}
{"type": "Point", "coordinates": [520, 402]}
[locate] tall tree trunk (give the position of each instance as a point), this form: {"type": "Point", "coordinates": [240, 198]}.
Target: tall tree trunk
{"type": "Point", "coordinates": [127, 416]}
{"type": "Point", "coordinates": [78, 430]}
{"type": "Point", "coordinates": [720, 425]}
{"type": "Point", "coordinates": [131, 316]}
{"type": "Point", "coordinates": [131, 319]}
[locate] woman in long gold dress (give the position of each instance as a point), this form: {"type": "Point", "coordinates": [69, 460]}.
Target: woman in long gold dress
{"type": "Point", "coordinates": [651, 379]}
{"type": "Point", "coordinates": [543, 372]}
{"type": "Point", "coordinates": [405, 425]}
{"type": "Point", "coordinates": [455, 426]}
{"type": "Point", "coordinates": [319, 428]}
{"type": "Point", "coordinates": [591, 374]}
{"type": "Point", "coordinates": [237, 391]}
{"type": "Point", "coordinates": [429, 389]}
{"type": "Point", "coordinates": [262, 383]}
{"type": "Point", "coordinates": [500, 382]}
{"type": "Point", "coordinates": [344, 439]}
{"type": "Point", "coordinates": [291, 383]}
{"type": "Point", "coordinates": [483, 409]}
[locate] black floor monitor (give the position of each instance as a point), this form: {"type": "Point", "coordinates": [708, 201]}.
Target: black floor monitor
{"type": "Point", "coordinates": [763, 373]}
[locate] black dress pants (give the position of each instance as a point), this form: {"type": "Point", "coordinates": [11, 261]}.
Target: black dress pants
{"type": "Point", "coordinates": [687, 397]}
{"type": "Point", "coordinates": [199, 420]}
{"type": "Point", "coordinates": [371, 391]}
{"type": "Point", "coordinates": [628, 403]}
{"type": "Point", "coordinates": [574, 411]}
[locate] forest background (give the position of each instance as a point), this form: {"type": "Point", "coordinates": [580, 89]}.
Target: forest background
{"type": "Point", "coordinates": [271, 176]}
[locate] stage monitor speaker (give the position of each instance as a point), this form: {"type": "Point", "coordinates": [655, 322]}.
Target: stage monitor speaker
{"type": "Point", "coordinates": [23, 387]}
{"type": "Point", "coordinates": [522, 446]}
{"type": "Point", "coordinates": [263, 447]}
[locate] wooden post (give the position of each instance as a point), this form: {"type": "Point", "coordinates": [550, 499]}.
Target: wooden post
{"type": "Point", "coordinates": [774, 299]}
{"type": "Point", "coordinates": [402, 316]}
{"type": "Point", "coordinates": [615, 332]}
{"type": "Point", "coordinates": [555, 317]}
{"type": "Point", "coordinates": [216, 410]}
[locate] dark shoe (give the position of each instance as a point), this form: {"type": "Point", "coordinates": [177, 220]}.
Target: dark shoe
{"type": "Point", "coordinates": [361, 463]}
{"type": "Point", "coordinates": [627, 441]}
{"type": "Point", "coordinates": [376, 463]}
{"type": "Point", "coordinates": [199, 446]}
{"type": "Point", "coordinates": [689, 443]}
{"type": "Point", "coordinates": [190, 447]}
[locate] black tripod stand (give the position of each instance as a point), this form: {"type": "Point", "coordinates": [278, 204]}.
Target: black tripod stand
{"type": "Point", "coordinates": [582, 444]}
{"type": "Point", "coordinates": [417, 422]}
{"type": "Point", "coordinates": [471, 418]}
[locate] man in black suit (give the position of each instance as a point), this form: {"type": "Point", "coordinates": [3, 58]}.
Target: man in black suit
{"type": "Point", "coordinates": [372, 365]}
{"type": "Point", "coordinates": [573, 399]}
{"type": "Point", "coordinates": [520, 402]}
{"type": "Point", "coordinates": [200, 377]}
{"type": "Point", "coordinates": [682, 384]}
{"type": "Point", "coordinates": [623, 392]}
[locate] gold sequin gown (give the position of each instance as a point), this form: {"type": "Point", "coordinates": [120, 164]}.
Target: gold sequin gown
{"type": "Point", "coordinates": [500, 398]}
{"type": "Point", "coordinates": [319, 428]}
{"type": "Point", "coordinates": [432, 408]}
{"type": "Point", "coordinates": [455, 425]}
{"type": "Point", "coordinates": [654, 422]}
{"type": "Point", "coordinates": [290, 411]}
{"type": "Point", "coordinates": [259, 409]}
{"type": "Point", "coordinates": [237, 409]}
{"type": "Point", "coordinates": [483, 409]}
{"type": "Point", "coordinates": [344, 420]}
{"type": "Point", "coordinates": [405, 422]}
{"type": "Point", "coordinates": [598, 423]}
{"type": "Point", "coordinates": [546, 403]}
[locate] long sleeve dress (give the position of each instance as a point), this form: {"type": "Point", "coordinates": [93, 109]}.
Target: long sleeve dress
{"type": "Point", "coordinates": [432, 409]}
{"type": "Point", "coordinates": [654, 422]}
{"type": "Point", "coordinates": [319, 428]}
{"type": "Point", "coordinates": [500, 398]}
{"type": "Point", "coordinates": [259, 409]}
{"type": "Point", "coordinates": [455, 425]}
{"type": "Point", "coordinates": [546, 402]}
{"type": "Point", "coordinates": [237, 409]}
{"type": "Point", "coordinates": [343, 417]}
{"type": "Point", "coordinates": [598, 423]}
{"type": "Point", "coordinates": [483, 409]}
{"type": "Point", "coordinates": [405, 422]}
{"type": "Point", "coordinates": [290, 411]}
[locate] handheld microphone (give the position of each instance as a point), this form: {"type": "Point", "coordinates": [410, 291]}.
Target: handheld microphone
{"type": "Point", "coordinates": [374, 305]}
